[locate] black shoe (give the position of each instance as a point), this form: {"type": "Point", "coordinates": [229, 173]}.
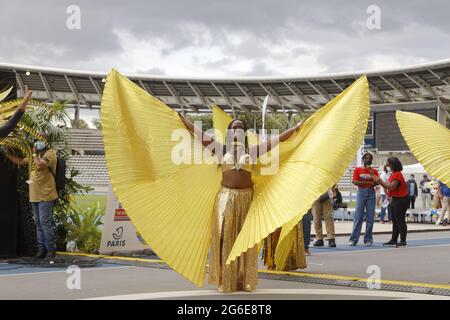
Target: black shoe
{"type": "Point", "coordinates": [318, 243]}
{"type": "Point", "coordinates": [390, 243]}
{"type": "Point", "coordinates": [332, 243]}
{"type": "Point", "coordinates": [402, 244]}
{"type": "Point", "coordinates": [51, 254]}
{"type": "Point", "coordinates": [42, 253]}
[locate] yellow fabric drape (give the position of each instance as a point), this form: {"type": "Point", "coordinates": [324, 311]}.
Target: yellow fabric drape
{"type": "Point", "coordinates": [429, 141]}
{"type": "Point", "coordinates": [221, 120]}
{"type": "Point", "coordinates": [310, 163]}
{"type": "Point", "coordinates": [172, 205]}
{"type": "Point", "coordinates": [296, 259]}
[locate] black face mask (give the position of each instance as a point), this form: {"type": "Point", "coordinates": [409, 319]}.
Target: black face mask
{"type": "Point", "coordinates": [367, 162]}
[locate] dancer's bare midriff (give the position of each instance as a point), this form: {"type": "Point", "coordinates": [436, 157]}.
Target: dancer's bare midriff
{"type": "Point", "coordinates": [237, 179]}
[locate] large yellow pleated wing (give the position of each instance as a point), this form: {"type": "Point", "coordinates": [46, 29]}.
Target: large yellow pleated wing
{"type": "Point", "coordinates": [170, 205]}
{"type": "Point", "coordinates": [221, 120]}
{"type": "Point", "coordinates": [429, 141]}
{"type": "Point", "coordinates": [314, 159]}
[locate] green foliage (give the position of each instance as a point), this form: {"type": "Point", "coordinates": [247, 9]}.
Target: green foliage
{"type": "Point", "coordinates": [97, 123]}
{"type": "Point", "coordinates": [87, 201]}
{"type": "Point", "coordinates": [83, 228]}
{"type": "Point", "coordinates": [62, 207]}
{"type": "Point", "coordinates": [206, 120]}
{"type": "Point", "coordinates": [80, 124]}
{"type": "Point", "coordinates": [253, 120]}
{"type": "Point", "coordinates": [49, 119]}
{"type": "Point", "coordinates": [276, 121]}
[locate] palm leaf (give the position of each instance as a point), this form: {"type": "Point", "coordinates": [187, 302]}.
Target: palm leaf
{"type": "Point", "coordinates": [9, 105]}
{"type": "Point", "coordinates": [5, 94]}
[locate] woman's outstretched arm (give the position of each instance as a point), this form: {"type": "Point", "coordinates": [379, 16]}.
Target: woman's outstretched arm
{"type": "Point", "coordinates": [272, 143]}
{"type": "Point", "coordinates": [206, 139]}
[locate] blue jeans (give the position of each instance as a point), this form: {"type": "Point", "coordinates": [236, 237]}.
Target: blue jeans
{"type": "Point", "coordinates": [306, 224]}
{"type": "Point", "coordinates": [365, 205]}
{"type": "Point", "coordinates": [42, 214]}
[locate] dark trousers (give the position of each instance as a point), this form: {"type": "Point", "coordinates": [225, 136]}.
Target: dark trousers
{"type": "Point", "coordinates": [399, 207]}
{"type": "Point", "coordinates": [306, 224]}
{"type": "Point", "coordinates": [412, 201]}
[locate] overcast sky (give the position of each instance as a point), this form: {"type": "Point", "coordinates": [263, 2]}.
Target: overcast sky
{"type": "Point", "coordinates": [224, 38]}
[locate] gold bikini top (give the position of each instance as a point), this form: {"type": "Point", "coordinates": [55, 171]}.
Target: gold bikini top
{"type": "Point", "coordinates": [229, 163]}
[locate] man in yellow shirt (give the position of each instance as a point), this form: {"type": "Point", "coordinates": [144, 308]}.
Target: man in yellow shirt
{"type": "Point", "coordinates": [42, 189]}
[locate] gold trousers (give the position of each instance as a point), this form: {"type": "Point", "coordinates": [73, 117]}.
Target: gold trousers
{"type": "Point", "coordinates": [231, 210]}
{"type": "Point", "coordinates": [296, 260]}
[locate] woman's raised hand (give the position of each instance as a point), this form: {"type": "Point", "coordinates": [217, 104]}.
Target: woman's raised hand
{"type": "Point", "coordinates": [299, 125]}
{"type": "Point", "coordinates": [26, 99]}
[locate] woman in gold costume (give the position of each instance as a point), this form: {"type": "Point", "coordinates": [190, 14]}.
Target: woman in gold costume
{"type": "Point", "coordinates": [232, 205]}
{"type": "Point", "coordinates": [184, 209]}
{"type": "Point", "coordinates": [297, 257]}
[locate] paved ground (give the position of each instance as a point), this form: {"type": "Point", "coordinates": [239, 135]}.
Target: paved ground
{"type": "Point", "coordinates": [114, 282]}
{"type": "Point", "coordinates": [425, 260]}
{"type": "Point", "coordinates": [345, 227]}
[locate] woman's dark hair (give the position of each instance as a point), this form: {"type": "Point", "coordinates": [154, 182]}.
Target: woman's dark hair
{"type": "Point", "coordinates": [395, 164]}
{"type": "Point", "coordinates": [228, 133]}
{"type": "Point", "coordinates": [367, 154]}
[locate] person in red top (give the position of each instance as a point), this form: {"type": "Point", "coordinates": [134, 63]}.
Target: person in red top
{"type": "Point", "coordinates": [398, 192]}
{"type": "Point", "coordinates": [365, 200]}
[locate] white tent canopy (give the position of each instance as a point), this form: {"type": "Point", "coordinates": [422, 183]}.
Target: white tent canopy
{"type": "Point", "coordinates": [416, 169]}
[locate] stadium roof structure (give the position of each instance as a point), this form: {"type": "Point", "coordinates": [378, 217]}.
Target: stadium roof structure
{"type": "Point", "coordinates": [419, 83]}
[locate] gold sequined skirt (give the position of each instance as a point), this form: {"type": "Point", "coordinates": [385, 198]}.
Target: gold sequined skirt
{"type": "Point", "coordinates": [297, 258]}
{"type": "Point", "coordinates": [231, 209]}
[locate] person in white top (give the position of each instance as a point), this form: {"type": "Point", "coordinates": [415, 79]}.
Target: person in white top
{"type": "Point", "coordinates": [384, 176]}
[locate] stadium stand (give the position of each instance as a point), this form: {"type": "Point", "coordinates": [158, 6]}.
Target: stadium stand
{"type": "Point", "coordinates": [423, 89]}
{"type": "Point", "coordinates": [91, 161]}
{"type": "Point", "coordinates": [89, 158]}
{"type": "Point", "coordinates": [86, 141]}
{"type": "Point", "coordinates": [93, 171]}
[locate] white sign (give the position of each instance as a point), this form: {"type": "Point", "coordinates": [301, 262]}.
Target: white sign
{"type": "Point", "coordinates": [119, 234]}
{"type": "Point", "coordinates": [264, 111]}
{"type": "Point", "coordinates": [359, 156]}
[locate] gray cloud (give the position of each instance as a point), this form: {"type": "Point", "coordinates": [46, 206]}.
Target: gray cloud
{"type": "Point", "coordinates": [277, 37]}
{"type": "Point", "coordinates": [154, 71]}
